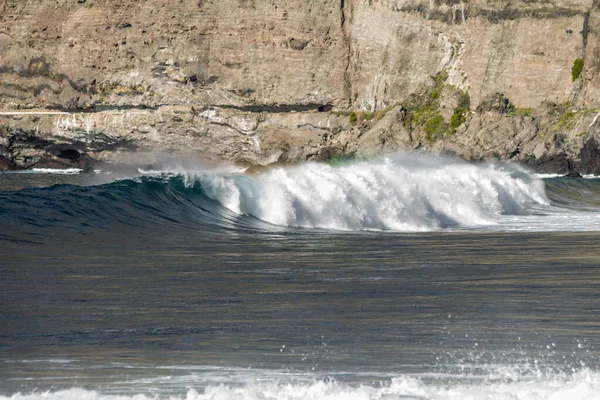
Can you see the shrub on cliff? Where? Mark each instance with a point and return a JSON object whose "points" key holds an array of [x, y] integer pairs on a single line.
{"points": [[577, 68], [435, 128], [353, 118], [457, 119]]}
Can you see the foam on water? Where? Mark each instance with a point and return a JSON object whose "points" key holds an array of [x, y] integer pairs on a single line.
{"points": [[552, 176], [583, 385], [401, 192], [53, 171]]}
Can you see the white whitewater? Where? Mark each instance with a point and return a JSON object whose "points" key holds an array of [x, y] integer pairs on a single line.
{"points": [[401, 193], [53, 171], [584, 385]]}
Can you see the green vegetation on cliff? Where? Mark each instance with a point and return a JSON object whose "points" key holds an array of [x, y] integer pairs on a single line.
{"points": [[355, 117], [457, 119], [577, 68], [435, 128], [424, 111], [460, 112], [521, 112], [569, 115]]}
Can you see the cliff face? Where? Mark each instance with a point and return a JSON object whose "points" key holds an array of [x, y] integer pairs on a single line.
{"points": [[258, 81]]}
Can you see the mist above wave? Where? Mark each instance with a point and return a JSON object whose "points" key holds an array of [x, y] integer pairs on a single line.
{"points": [[401, 192]]}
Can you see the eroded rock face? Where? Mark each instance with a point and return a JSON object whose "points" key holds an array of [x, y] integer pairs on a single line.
{"points": [[22, 150], [590, 157], [260, 81]]}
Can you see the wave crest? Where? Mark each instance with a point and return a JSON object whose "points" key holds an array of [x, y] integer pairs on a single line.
{"points": [[405, 193], [401, 193]]}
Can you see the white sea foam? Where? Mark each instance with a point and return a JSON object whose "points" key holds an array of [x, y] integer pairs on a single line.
{"points": [[548, 176], [584, 385], [56, 171], [551, 176], [401, 192]]}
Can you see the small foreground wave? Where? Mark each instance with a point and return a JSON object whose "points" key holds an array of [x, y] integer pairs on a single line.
{"points": [[583, 385]]}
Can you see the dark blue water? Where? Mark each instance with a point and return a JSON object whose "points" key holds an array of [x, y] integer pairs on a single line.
{"points": [[152, 287]]}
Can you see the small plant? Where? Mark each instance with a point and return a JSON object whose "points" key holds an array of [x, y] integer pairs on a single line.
{"points": [[456, 120], [521, 112], [440, 78], [460, 112], [577, 68], [464, 102], [366, 115], [353, 118], [566, 122]]}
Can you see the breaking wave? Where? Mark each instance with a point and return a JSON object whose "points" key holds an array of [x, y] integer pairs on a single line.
{"points": [[404, 193], [400, 193]]}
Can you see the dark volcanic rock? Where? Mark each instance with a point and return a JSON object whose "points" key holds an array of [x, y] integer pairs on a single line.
{"points": [[590, 157], [20, 139], [573, 174], [24, 150], [64, 155], [65, 151], [61, 163], [327, 153], [7, 163], [496, 102], [551, 162]]}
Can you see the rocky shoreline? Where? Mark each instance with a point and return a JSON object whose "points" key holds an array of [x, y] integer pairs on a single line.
{"points": [[541, 139], [253, 83]]}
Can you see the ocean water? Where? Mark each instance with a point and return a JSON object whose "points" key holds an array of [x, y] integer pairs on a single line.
{"points": [[404, 277]]}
